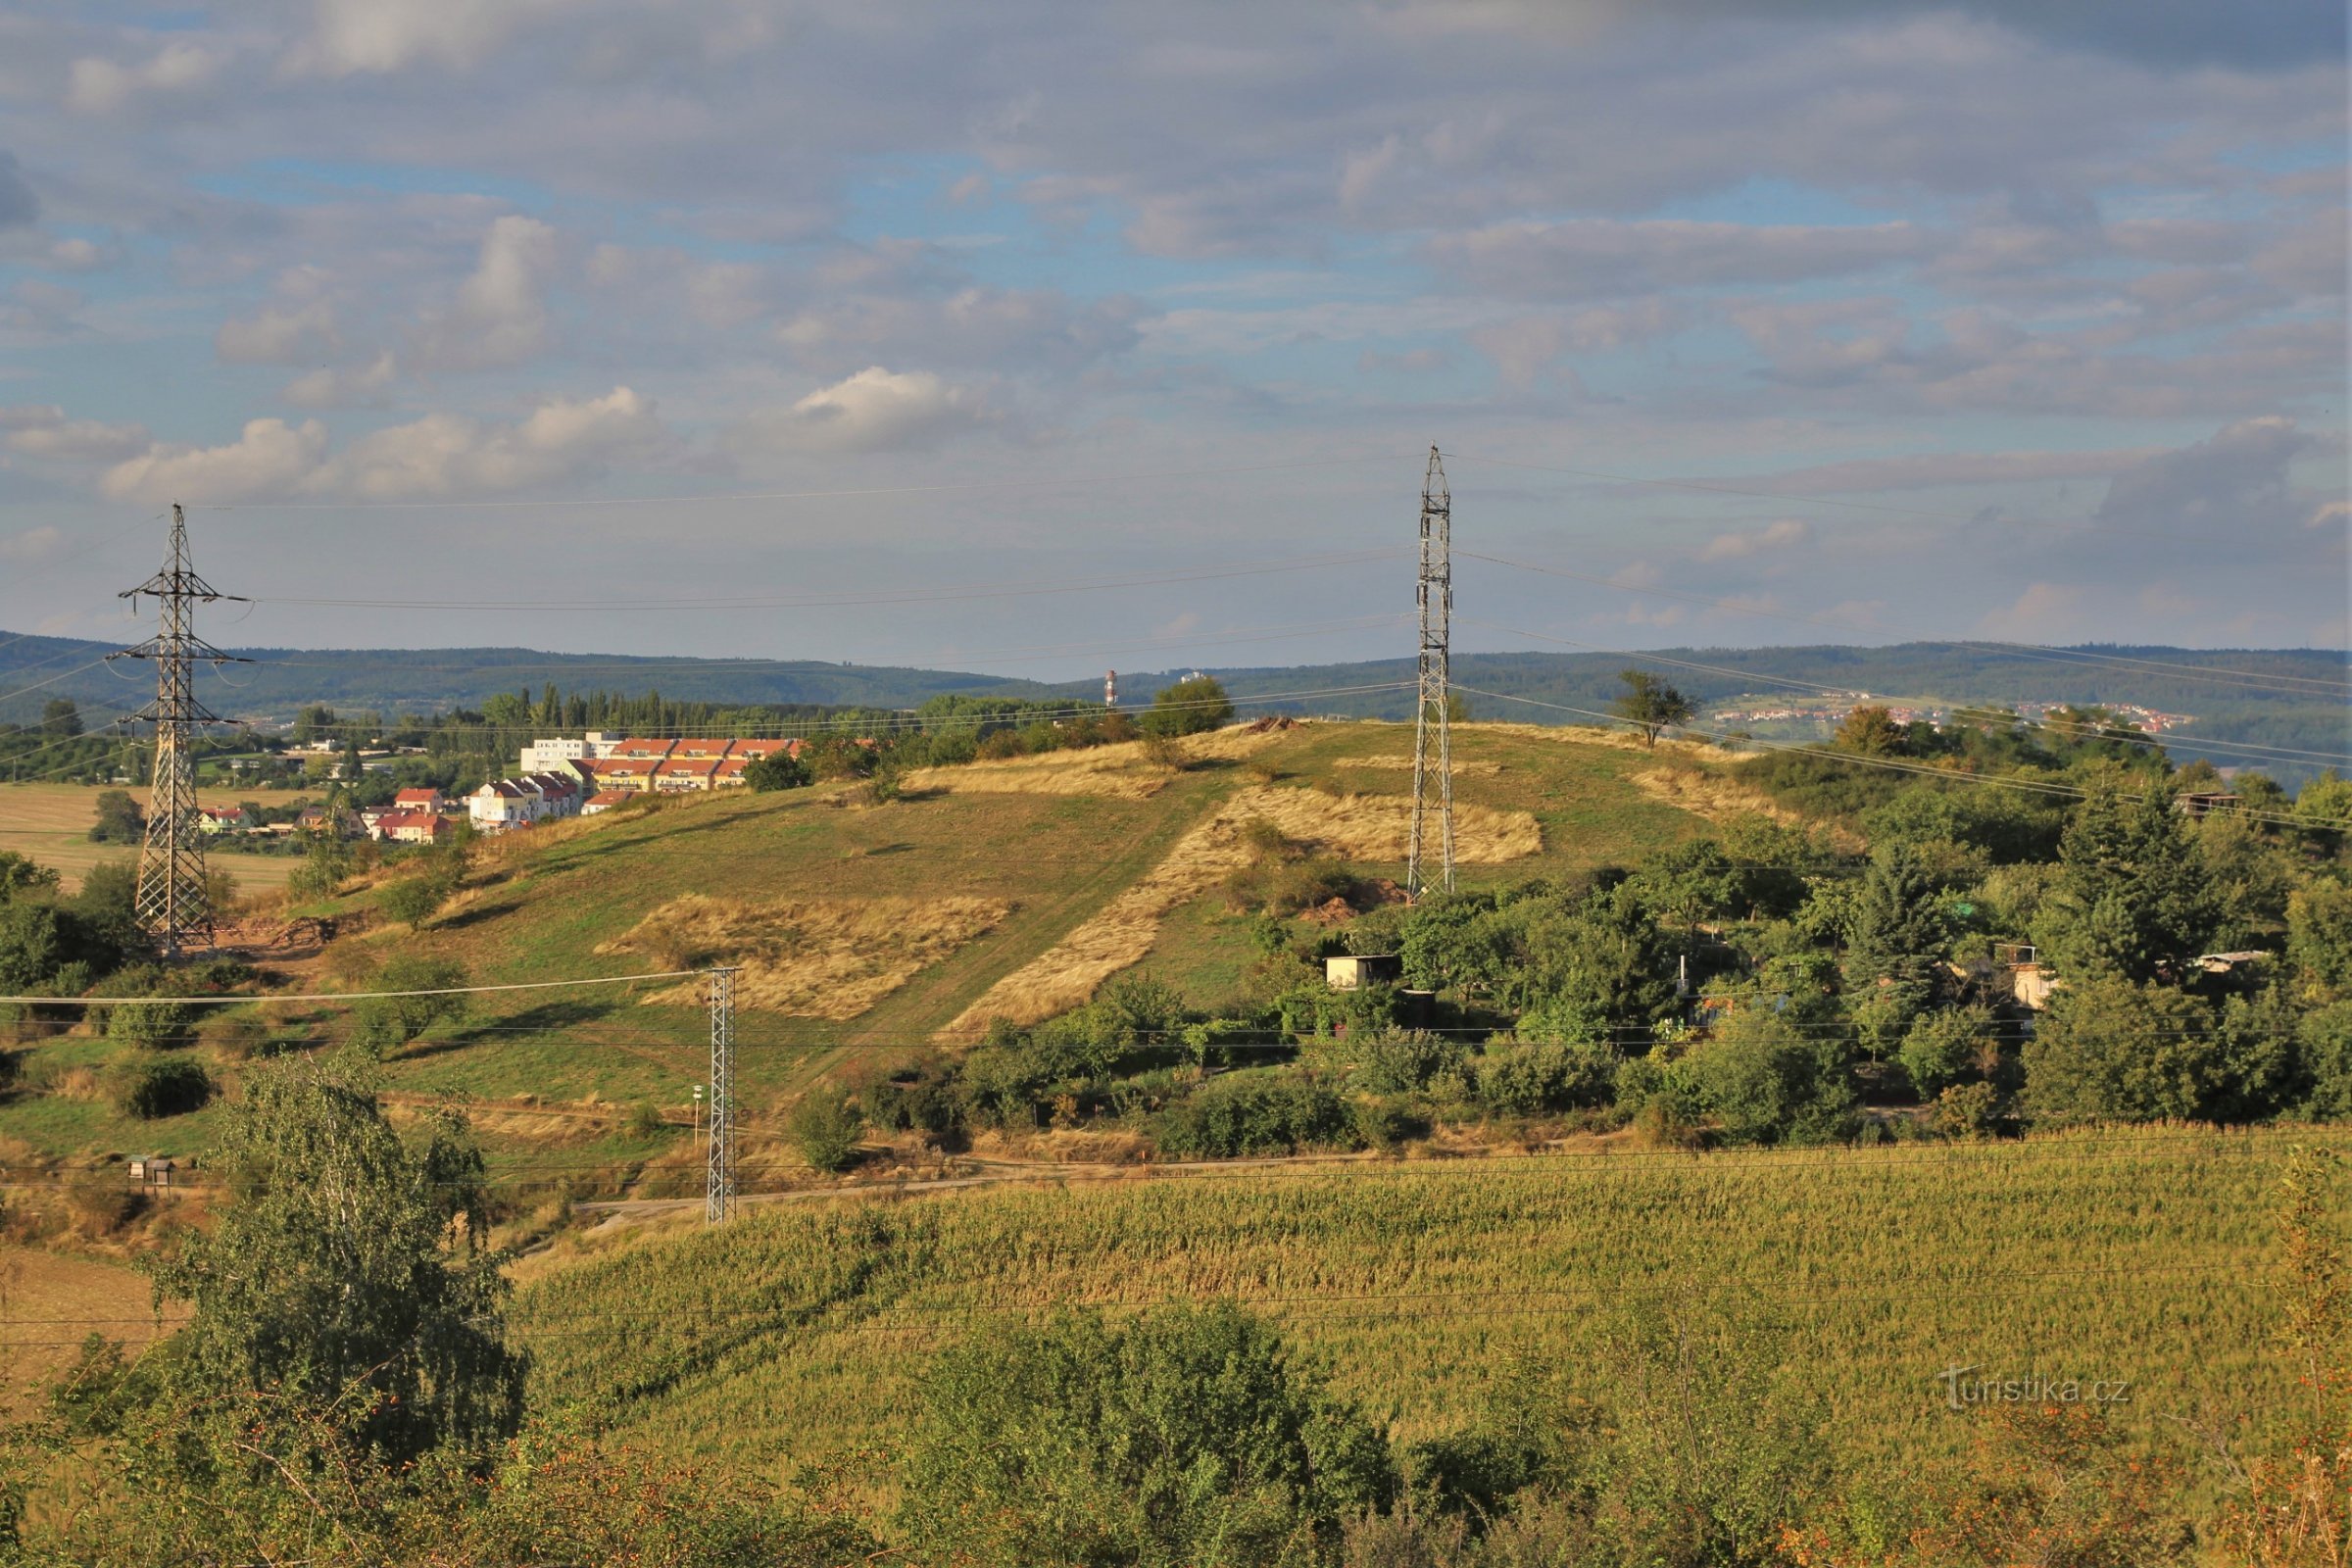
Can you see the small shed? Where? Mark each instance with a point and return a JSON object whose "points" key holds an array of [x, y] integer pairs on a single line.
{"points": [[1353, 971], [153, 1170]]}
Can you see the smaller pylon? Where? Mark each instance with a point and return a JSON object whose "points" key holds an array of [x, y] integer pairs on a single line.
{"points": [[718, 1187]]}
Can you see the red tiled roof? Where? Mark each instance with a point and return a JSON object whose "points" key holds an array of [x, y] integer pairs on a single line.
{"points": [[420, 797], [609, 796], [686, 767], [642, 748]]}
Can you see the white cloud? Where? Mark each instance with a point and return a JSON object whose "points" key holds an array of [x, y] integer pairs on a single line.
{"points": [[1587, 257], [349, 386], [374, 38], [99, 86], [278, 334], [1784, 534], [2044, 611], [268, 458], [42, 431], [874, 410], [499, 315], [442, 455]]}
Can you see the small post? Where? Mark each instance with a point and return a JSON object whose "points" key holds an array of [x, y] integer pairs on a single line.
{"points": [[718, 1190]]}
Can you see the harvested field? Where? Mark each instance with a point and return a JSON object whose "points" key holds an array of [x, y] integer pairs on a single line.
{"points": [[808, 957], [1357, 827], [1712, 796], [51, 824], [1120, 773], [48, 1302]]}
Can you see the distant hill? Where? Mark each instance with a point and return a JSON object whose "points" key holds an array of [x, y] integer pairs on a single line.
{"points": [[2271, 698]]}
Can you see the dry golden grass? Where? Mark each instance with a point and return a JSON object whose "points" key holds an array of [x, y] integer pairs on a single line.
{"points": [[1712, 796], [1405, 760], [1622, 740], [1123, 771], [48, 1302], [809, 958], [1357, 827], [51, 824]]}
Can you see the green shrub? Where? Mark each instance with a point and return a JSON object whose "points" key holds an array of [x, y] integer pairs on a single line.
{"points": [[1383, 1124], [152, 1025], [1398, 1062], [171, 1087], [1255, 1114], [824, 1128], [1943, 1047], [1530, 1078]]}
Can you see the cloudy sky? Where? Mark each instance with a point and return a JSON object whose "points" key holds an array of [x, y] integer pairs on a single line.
{"points": [[815, 329]]}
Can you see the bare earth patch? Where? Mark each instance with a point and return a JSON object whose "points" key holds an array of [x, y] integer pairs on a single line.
{"points": [[1357, 827], [809, 958]]}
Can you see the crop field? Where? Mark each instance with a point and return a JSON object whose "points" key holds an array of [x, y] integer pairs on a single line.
{"points": [[51, 824], [795, 1331]]}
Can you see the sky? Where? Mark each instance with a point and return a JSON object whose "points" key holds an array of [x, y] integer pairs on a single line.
{"points": [[1040, 338]]}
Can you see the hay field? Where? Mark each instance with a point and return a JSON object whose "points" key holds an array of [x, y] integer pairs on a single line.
{"points": [[1121, 771], [1401, 760], [1355, 827], [796, 1330], [51, 824], [49, 1302], [813, 958]]}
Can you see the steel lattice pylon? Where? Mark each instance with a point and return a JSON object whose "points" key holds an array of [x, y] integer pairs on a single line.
{"points": [[172, 905], [1437, 673], [718, 1190]]}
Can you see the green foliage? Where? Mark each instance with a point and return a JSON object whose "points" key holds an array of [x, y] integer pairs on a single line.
{"points": [[172, 1087], [1535, 1077], [2107, 1048], [413, 899], [152, 1025], [325, 866], [1650, 705], [1945, 1047], [824, 1128], [1395, 1062], [351, 1260], [2319, 937], [1765, 1079], [1254, 1113], [778, 771], [2131, 899], [120, 821], [19, 877], [1185, 1437], [382, 1025], [2324, 1038], [1188, 708]]}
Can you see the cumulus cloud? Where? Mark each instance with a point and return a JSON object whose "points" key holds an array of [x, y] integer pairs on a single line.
{"points": [[2045, 612], [2229, 487], [346, 386], [875, 409], [440, 456], [35, 544], [1740, 545], [970, 327], [42, 431], [498, 317]]}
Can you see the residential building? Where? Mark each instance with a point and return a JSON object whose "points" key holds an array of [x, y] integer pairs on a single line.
{"points": [[222, 820], [604, 801], [427, 798], [412, 828]]}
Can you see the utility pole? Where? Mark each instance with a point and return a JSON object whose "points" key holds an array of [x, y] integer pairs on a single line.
{"points": [[1437, 672], [172, 904], [718, 1190]]}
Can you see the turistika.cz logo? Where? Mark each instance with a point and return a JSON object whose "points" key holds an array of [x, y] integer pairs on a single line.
{"points": [[1961, 1392]]}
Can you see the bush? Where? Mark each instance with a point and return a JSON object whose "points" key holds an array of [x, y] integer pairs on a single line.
{"points": [[382, 1025], [1943, 1047], [778, 771], [1766, 1080], [238, 1036], [152, 1025], [413, 899], [824, 1128], [927, 1101], [171, 1087], [1399, 1064], [1383, 1124], [1242, 1115], [1188, 708], [645, 1120], [1532, 1078]]}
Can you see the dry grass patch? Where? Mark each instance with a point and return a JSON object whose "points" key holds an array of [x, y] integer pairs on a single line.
{"points": [[1712, 796], [1122, 771], [1357, 827], [1405, 760], [809, 958]]}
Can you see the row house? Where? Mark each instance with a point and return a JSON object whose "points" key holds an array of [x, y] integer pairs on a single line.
{"points": [[511, 803], [412, 828], [674, 768]]}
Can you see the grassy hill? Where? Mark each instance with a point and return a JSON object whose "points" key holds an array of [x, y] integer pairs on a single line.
{"points": [[1047, 845]]}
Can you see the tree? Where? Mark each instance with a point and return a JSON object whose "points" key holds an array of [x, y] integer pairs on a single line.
{"points": [[382, 1025], [2318, 939], [120, 821], [1650, 705], [2130, 898], [778, 771], [1187, 1435], [2109, 1050], [60, 718], [2322, 807], [824, 1127], [351, 1259], [19, 876], [1767, 1079], [1871, 732], [413, 899], [1188, 708]]}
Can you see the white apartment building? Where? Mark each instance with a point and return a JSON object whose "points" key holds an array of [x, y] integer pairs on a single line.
{"points": [[541, 756]]}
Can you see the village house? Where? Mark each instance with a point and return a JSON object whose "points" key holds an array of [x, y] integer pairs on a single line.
{"points": [[427, 799], [222, 820], [604, 801], [412, 828]]}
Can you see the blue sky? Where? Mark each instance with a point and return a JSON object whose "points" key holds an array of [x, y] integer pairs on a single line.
{"points": [[1996, 319]]}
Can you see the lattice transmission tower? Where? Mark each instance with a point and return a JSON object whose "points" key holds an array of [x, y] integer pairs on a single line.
{"points": [[718, 1187], [1437, 672], [172, 905]]}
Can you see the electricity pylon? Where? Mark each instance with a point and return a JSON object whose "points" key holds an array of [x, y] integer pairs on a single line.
{"points": [[718, 1187], [1436, 675], [172, 905]]}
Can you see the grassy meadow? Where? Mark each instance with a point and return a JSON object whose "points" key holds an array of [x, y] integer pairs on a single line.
{"points": [[795, 1331]]}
